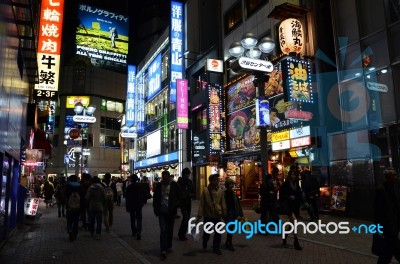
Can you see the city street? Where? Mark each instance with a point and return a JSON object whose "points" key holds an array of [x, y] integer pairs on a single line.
{"points": [[45, 240]]}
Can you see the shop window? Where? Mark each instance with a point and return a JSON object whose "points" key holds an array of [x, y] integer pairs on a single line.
{"points": [[253, 6], [392, 8], [233, 17]]}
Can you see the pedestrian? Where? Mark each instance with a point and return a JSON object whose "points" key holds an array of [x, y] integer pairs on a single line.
{"points": [[48, 191], [118, 185], [186, 186], [86, 182], [291, 199], [113, 186], [167, 198], [146, 186], [109, 208], [387, 214], [213, 208], [96, 202], [233, 209], [74, 197], [312, 193], [268, 203], [135, 197], [61, 197]]}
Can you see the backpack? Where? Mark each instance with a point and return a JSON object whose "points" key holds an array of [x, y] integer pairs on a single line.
{"points": [[109, 193], [74, 201]]}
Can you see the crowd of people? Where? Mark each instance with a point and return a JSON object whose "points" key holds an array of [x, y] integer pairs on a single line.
{"points": [[92, 201]]}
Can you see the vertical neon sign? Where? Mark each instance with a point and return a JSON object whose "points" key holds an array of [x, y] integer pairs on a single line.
{"points": [[182, 112], [176, 46], [130, 96]]}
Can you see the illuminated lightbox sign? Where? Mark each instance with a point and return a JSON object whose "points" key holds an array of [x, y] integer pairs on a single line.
{"points": [[84, 119], [250, 64], [280, 136], [280, 145], [299, 142], [182, 107], [298, 85], [262, 113], [103, 37], [176, 46], [214, 65], [154, 73], [49, 44], [300, 132], [214, 116], [154, 144], [130, 96]]}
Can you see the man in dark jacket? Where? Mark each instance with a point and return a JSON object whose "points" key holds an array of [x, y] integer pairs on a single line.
{"points": [[387, 214], [73, 213], [312, 194], [167, 198], [135, 197], [186, 186]]}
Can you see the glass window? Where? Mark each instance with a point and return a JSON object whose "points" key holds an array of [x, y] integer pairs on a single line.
{"points": [[350, 63], [374, 9], [392, 8], [375, 52], [233, 17], [253, 5], [346, 20]]}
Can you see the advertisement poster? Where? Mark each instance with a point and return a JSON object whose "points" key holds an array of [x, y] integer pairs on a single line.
{"points": [[338, 200], [241, 94], [103, 37], [278, 107], [325, 198], [242, 129]]}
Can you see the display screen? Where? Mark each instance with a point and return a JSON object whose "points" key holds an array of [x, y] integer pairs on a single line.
{"points": [[103, 36]]}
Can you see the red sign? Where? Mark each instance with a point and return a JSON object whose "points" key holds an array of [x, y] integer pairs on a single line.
{"points": [[74, 133], [299, 142]]}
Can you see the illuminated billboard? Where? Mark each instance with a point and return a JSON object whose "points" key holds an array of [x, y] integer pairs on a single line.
{"points": [[103, 36], [49, 44]]}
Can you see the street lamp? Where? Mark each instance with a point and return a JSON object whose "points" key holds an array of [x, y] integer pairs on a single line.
{"points": [[248, 51], [82, 115]]}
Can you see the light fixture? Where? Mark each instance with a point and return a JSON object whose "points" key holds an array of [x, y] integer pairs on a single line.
{"points": [[291, 36], [254, 53], [249, 40], [249, 48], [78, 108], [90, 109], [236, 49], [266, 45]]}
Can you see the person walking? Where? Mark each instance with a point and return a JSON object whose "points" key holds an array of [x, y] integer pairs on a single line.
{"points": [[146, 186], [135, 197], [167, 198], [118, 186], [96, 202], [312, 193], [74, 197], [387, 214], [291, 198], [186, 186], [213, 208], [109, 207], [233, 209], [61, 197], [86, 182], [48, 191]]}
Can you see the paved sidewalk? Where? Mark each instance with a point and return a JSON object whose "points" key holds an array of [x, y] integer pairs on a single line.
{"points": [[46, 241]]}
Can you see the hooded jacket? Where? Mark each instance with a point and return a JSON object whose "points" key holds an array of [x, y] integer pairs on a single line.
{"points": [[96, 197]]}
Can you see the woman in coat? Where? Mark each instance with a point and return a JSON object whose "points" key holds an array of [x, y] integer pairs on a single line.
{"points": [[290, 199]]}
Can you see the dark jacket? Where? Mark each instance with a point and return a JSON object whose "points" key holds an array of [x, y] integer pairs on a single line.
{"points": [[291, 206], [96, 198], [176, 198], [267, 193], [72, 187], [387, 208], [186, 186], [237, 207], [135, 196]]}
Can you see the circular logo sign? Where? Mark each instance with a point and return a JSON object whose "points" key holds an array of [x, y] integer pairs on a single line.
{"points": [[74, 133]]}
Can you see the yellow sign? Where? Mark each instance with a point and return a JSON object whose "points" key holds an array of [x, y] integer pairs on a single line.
{"points": [[72, 100], [280, 136]]}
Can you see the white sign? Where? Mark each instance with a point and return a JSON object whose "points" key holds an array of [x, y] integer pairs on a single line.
{"points": [[299, 142], [214, 65], [154, 144], [129, 135], [281, 145], [255, 64], [300, 132], [380, 87], [31, 206], [84, 119]]}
